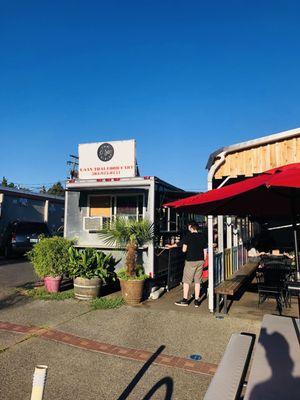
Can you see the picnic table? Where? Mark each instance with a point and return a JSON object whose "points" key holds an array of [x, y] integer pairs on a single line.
{"points": [[275, 371]]}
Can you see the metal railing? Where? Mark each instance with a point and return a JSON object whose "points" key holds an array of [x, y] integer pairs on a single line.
{"points": [[228, 262]]}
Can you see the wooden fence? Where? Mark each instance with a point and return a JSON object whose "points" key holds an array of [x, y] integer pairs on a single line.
{"points": [[228, 262]]}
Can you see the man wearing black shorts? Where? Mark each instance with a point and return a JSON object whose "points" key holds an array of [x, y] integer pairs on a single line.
{"points": [[194, 245]]}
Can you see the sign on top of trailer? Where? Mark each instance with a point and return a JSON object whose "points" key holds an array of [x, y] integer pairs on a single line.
{"points": [[115, 159]]}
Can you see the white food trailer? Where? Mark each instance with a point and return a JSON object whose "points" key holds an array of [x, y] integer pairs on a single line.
{"points": [[108, 185]]}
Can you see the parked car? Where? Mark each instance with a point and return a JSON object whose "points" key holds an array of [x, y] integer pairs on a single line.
{"points": [[20, 236]]}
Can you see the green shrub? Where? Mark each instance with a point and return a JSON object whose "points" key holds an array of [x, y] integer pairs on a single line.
{"points": [[139, 274], [50, 256], [91, 263]]}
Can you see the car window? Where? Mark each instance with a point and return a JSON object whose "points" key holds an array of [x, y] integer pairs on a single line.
{"points": [[32, 228]]}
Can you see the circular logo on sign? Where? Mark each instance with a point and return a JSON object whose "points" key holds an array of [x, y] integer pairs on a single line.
{"points": [[105, 152]]}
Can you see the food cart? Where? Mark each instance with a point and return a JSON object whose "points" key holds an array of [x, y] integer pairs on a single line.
{"points": [[108, 185]]}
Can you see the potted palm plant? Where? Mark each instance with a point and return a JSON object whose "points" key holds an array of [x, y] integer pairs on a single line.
{"points": [[89, 268], [50, 259], [129, 235]]}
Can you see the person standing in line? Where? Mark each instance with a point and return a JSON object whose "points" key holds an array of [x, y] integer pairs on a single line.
{"points": [[194, 245]]}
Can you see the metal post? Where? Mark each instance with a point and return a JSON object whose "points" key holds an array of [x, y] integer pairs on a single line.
{"points": [[296, 249], [295, 235], [66, 212], [151, 216], [210, 265], [210, 176], [296, 246]]}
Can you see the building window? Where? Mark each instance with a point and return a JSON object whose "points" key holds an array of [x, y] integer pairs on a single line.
{"points": [[100, 206], [130, 207]]}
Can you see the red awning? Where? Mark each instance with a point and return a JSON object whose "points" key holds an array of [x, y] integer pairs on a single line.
{"points": [[268, 193]]}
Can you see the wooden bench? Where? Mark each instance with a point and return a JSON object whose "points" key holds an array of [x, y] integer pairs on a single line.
{"points": [[227, 383], [231, 285]]}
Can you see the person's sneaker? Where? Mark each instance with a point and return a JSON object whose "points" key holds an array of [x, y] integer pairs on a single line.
{"points": [[183, 303], [197, 302]]}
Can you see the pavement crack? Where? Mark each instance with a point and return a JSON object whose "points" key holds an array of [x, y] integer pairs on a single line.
{"points": [[70, 319], [17, 343]]}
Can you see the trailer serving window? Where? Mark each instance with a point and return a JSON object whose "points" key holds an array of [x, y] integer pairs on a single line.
{"points": [[127, 206], [100, 206], [130, 207]]}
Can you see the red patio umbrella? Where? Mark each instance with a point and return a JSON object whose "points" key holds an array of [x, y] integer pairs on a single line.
{"points": [[274, 193], [267, 194]]}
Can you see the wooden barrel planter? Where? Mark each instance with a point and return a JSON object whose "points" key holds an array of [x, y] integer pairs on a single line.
{"points": [[87, 289], [132, 291]]}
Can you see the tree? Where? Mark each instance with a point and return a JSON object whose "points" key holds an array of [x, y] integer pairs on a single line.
{"points": [[56, 189], [43, 189], [129, 234], [6, 184]]}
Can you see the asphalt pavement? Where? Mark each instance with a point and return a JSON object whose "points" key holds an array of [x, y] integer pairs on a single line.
{"points": [[14, 273]]}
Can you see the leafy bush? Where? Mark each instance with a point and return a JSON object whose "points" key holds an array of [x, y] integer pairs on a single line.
{"points": [[139, 274], [91, 263], [50, 256]]}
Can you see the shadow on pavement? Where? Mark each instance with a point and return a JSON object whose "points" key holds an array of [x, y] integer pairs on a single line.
{"points": [[13, 299], [17, 298], [282, 381], [110, 288], [167, 381]]}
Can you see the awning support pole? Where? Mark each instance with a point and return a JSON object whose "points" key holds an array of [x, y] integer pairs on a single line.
{"points": [[210, 177], [210, 264], [295, 235], [296, 247]]}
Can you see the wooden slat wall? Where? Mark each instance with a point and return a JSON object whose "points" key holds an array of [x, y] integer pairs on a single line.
{"points": [[261, 158]]}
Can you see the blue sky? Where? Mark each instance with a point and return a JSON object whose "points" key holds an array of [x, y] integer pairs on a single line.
{"points": [[181, 77]]}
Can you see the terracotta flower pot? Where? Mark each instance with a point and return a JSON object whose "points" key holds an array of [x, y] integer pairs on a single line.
{"points": [[52, 283], [87, 289], [132, 291]]}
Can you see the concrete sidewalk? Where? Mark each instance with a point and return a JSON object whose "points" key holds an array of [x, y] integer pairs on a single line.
{"points": [[182, 333], [79, 374], [85, 374], [97, 376]]}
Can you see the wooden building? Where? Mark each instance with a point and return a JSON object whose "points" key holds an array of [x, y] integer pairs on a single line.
{"points": [[255, 156], [233, 163]]}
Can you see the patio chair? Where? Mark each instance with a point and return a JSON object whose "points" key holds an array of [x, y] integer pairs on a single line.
{"points": [[272, 281], [272, 259]]}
